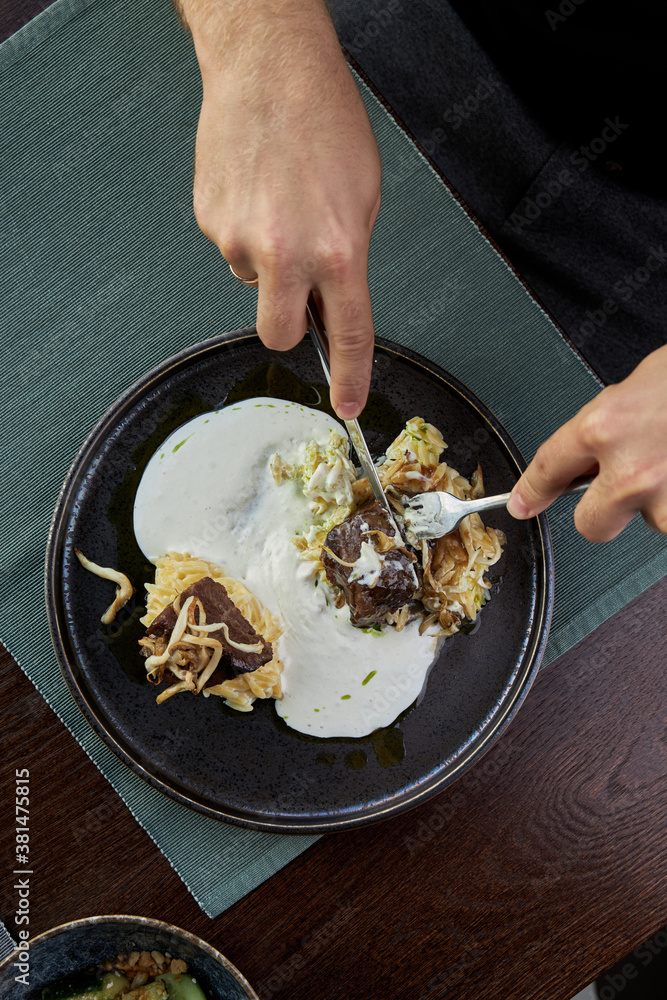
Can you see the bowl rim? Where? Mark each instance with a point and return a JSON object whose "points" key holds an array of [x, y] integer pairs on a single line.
{"points": [[148, 922]]}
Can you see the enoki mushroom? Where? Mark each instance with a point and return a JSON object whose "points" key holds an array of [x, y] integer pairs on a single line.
{"points": [[124, 589], [186, 634]]}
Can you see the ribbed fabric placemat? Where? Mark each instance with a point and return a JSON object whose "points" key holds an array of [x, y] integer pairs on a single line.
{"points": [[104, 273], [7, 942]]}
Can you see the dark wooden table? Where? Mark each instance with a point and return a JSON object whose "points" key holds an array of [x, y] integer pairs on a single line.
{"points": [[539, 869], [536, 871]]}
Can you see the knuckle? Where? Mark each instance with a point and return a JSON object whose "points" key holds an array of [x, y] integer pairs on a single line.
{"points": [[273, 251], [629, 482], [599, 421], [354, 342], [658, 520], [231, 246], [204, 196], [204, 221], [339, 259], [539, 483], [594, 430], [590, 523], [278, 330], [641, 482]]}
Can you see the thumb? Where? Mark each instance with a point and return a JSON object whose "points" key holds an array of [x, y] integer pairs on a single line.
{"points": [[559, 461]]}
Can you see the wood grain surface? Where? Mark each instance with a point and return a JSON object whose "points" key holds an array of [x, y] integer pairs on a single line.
{"points": [[536, 871], [540, 868]]}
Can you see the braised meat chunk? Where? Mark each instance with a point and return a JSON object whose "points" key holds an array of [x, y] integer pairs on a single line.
{"points": [[217, 608], [374, 570]]}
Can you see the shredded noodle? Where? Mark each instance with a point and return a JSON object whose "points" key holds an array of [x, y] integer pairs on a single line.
{"points": [[174, 573], [454, 567], [124, 588]]}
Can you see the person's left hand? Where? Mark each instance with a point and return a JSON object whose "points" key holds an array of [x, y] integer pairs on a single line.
{"points": [[621, 434]]}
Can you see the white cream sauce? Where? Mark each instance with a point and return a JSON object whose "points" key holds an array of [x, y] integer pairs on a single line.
{"points": [[208, 490], [368, 566]]}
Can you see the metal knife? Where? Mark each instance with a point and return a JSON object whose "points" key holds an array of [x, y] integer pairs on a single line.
{"points": [[321, 341]]}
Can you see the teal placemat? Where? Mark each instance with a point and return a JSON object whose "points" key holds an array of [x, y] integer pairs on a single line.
{"points": [[103, 273]]}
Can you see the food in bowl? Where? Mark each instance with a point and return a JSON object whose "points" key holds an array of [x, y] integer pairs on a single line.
{"points": [[140, 975]]}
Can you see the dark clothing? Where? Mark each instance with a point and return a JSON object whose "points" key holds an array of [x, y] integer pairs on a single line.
{"points": [[503, 112], [575, 63]]}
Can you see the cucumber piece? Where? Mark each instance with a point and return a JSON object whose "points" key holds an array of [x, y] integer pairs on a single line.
{"points": [[181, 986], [113, 985], [107, 988], [67, 992]]}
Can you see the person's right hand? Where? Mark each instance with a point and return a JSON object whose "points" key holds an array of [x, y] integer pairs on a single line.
{"points": [[287, 174], [622, 435]]}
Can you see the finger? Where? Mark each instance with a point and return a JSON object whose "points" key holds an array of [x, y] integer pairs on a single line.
{"points": [[349, 321], [562, 458], [614, 498], [281, 311], [656, 518], [598, 517], [248, 279], [233, 249]]}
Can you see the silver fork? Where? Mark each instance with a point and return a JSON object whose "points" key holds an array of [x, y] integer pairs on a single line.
{"points": [[431, 515]]}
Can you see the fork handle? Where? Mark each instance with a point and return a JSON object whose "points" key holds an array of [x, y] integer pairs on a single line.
{"points": [[578, 485], [500, 500]]}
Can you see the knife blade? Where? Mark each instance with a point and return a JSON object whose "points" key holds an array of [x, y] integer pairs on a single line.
{"points": [[319, 337]]}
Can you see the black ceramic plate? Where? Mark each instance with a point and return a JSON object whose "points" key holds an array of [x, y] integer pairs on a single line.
{"points": [[250, 769]]}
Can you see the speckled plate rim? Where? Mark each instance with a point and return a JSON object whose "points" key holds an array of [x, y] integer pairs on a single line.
{"points": [[149, 924], [492, 728]]}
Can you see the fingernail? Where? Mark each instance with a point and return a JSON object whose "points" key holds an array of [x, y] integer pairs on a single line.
{"points": [[348, 411], [517, 507]]}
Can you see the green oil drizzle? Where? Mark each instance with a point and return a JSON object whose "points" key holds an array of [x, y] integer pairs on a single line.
{"points": [[181, 443], [356, 759], [387, 743]]}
